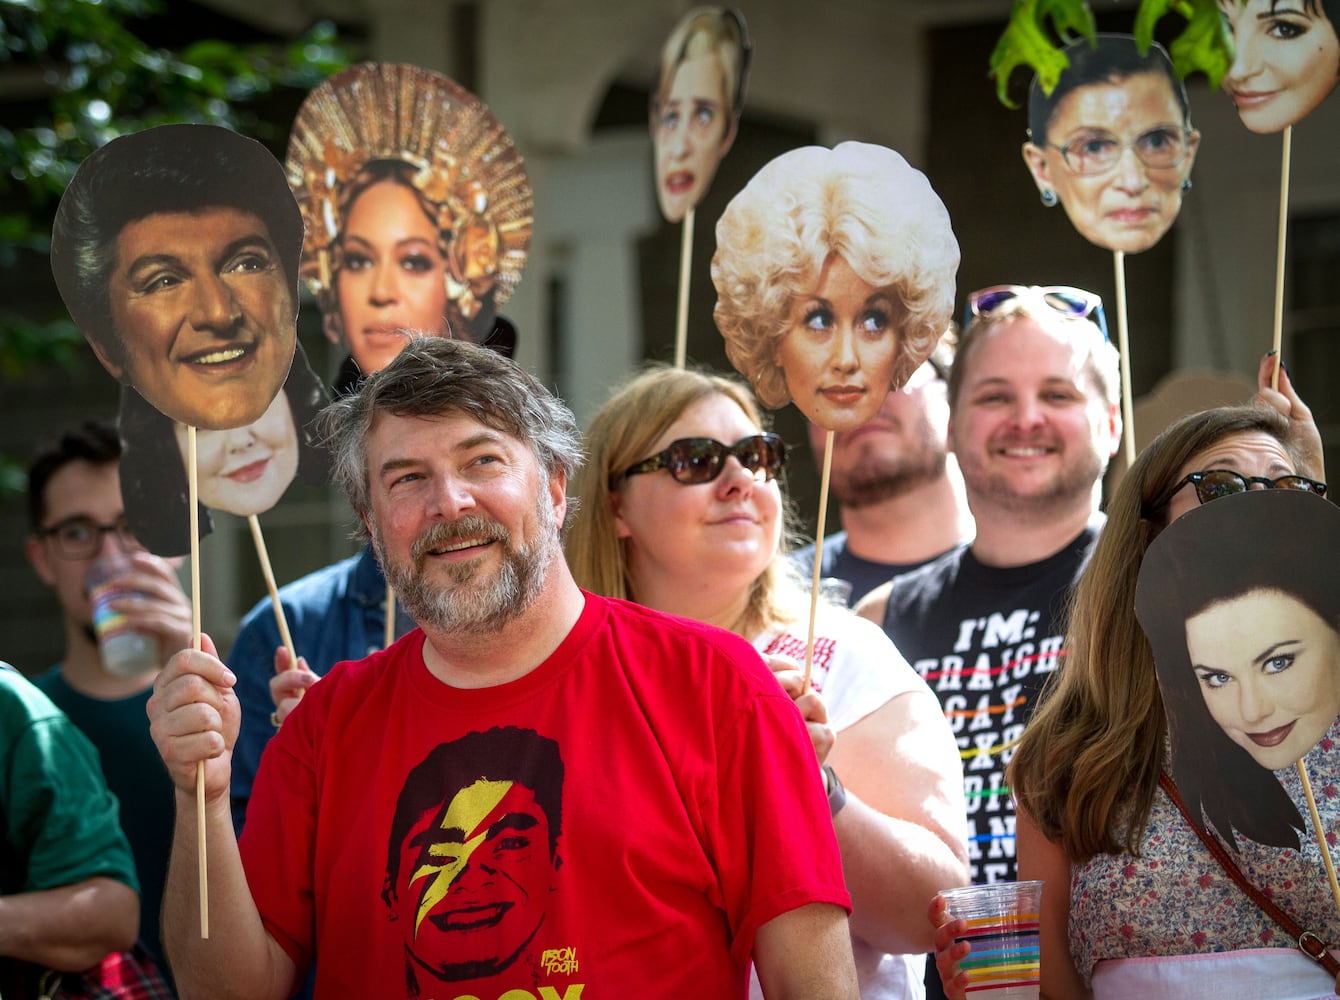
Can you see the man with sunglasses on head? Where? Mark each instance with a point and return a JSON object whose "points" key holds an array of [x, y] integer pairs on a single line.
{"points": [[900, 491], [77, 518], [682, 831], [1033, 420]]}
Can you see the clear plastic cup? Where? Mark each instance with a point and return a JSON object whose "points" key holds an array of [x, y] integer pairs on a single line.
{"points": [[125, 651], [1002, 929]]}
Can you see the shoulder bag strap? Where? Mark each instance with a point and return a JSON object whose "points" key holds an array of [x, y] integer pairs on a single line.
{"points": [[1309, 942]]}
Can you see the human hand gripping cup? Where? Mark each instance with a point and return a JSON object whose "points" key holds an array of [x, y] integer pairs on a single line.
{"points": [[987, 940]]}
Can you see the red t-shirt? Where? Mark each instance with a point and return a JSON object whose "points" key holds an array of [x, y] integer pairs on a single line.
{"points": [[618, 822]]}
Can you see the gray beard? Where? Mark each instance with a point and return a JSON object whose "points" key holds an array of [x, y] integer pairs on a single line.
{"points": [[473, 606]]}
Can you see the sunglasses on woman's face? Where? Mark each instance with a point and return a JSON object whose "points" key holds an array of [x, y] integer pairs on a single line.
{"points": [[1074, 303], [700, 460], [1216, 483]]}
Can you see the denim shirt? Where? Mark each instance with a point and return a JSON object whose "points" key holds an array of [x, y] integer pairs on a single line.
{"points": [[337, 613]]}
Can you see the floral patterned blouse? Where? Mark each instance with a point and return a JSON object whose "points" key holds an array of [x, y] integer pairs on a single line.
{"points": [[1176, 900]]}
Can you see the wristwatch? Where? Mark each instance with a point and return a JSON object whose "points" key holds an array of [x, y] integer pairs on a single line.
{"points": [[837, 795]]}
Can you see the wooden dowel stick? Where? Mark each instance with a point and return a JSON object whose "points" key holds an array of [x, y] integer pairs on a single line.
{"points": [[1279, 253], [264, 556], [1319, 833], [682, 306], [818, 553], [388, 634], [193, 505], [1124, 349]]}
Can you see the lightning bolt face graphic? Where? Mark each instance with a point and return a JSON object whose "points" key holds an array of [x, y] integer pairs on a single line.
{"points": [[472, 810]]}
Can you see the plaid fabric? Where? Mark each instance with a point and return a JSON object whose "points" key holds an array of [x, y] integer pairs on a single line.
{"points": [[127, 975]]}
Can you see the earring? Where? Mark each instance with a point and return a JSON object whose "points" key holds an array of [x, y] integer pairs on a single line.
{"points": [[1049, 198], [1186, 185]]}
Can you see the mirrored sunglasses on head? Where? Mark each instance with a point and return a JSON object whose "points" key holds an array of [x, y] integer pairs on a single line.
{"points": [[700, 460], [1073, 303]]}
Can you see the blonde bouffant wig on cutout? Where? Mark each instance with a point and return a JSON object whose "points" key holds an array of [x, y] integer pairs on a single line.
{"points": [[862, 202]]}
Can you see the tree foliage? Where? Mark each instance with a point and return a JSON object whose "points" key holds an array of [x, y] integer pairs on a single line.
{"points": [[96, 79], [1038, 30], [80, 75]]}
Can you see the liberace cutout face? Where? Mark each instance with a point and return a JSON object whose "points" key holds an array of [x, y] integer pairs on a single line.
{"points": [[176, 251]]}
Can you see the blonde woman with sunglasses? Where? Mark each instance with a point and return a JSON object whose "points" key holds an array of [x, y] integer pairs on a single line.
{"points": [[681, 511], [1135, 905]]}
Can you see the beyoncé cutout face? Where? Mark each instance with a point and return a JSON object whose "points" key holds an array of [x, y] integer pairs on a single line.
{"points": [[417, 205], [1240, 600]]}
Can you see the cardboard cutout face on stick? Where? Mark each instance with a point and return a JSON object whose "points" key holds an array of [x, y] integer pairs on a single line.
{"points": [[1113, 143], [837, 301], [417, 206], [1240, 599], [1286, 59], [696, 104], [176, 251], [240, 470]]}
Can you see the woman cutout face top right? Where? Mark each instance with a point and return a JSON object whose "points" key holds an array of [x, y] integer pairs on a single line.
{"points": [[1286, 59]]}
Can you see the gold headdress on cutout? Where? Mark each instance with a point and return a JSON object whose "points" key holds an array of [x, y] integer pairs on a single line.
{"points": [[458, 158]]}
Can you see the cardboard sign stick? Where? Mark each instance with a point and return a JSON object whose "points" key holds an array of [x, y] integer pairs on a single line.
{"points": [[682, 308], [193, 504], [818, 553], [1316, 819], [1124, 349], [268, 573], [388, 635], [1279, 257]]}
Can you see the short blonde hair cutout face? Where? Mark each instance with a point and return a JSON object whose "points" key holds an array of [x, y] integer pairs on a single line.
{"points": [[706, 31], [862, 202], [623, 433]]}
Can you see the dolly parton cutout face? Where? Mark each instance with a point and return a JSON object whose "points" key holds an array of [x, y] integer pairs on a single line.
{"points": [[838, 352]]}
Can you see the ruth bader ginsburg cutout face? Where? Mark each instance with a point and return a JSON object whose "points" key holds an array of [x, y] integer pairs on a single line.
{"points": [[1241, 602], [833, 329], [1286, 59], [176, 251], [696, 105], [1113, 143]]}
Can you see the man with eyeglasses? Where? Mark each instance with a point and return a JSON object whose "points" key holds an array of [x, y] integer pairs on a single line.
{"points": [[1033, 419], [76, 515], [900, 492], [657, 867]]}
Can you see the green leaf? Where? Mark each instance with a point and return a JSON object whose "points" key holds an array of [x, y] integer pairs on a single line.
{"points": [[1203, 46], [1027, 41]]}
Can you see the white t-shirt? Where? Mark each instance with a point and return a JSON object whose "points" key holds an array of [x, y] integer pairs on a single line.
{"points": [[857, 670]]}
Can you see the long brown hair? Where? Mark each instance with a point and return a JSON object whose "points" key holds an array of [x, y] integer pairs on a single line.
{"points": [[1087, 766]]}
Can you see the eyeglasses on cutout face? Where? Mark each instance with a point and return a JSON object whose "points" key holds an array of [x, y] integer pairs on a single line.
{"points": [[81, 537], [700, 459], [1072, 303], [1096, 152], [1215, 483]]}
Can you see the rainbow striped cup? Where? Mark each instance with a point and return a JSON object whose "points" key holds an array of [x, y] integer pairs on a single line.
{"points": [[1002, 921]]}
